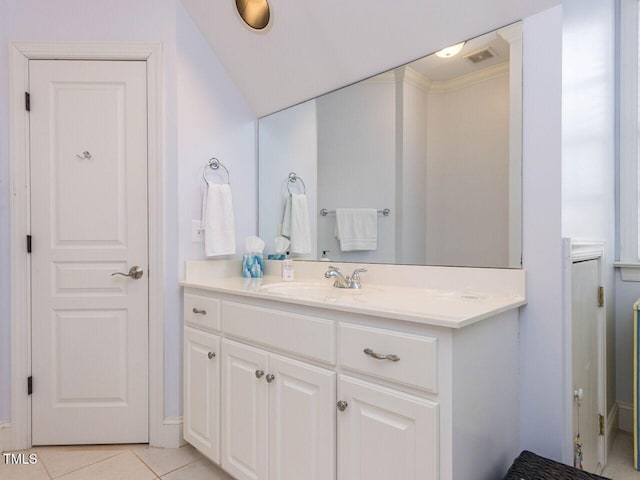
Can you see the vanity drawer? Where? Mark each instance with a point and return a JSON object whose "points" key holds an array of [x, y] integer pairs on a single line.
{"points": [[202, 311], [418, 355], [307, 336]]}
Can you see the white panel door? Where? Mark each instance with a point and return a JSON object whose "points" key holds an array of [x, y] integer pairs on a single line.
{"points": [[585, 341], [202, 392], [88, 143], [302, 418], [385, 434], [244, 411]]}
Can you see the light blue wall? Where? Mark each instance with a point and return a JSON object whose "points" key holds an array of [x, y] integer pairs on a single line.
{"points": [[541, 332], [214, 119]]}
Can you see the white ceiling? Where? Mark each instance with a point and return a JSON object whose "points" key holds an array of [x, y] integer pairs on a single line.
{"points": [[312, 47], [441, 69]]}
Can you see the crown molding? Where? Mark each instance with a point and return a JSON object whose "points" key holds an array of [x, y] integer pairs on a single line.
{"points": [[416, 79], [469, 79]]}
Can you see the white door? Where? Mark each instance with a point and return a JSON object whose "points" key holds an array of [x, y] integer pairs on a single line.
{"points": [[585, 338], [202, 392], [244, 411], [385, 434], [302, 419], [88, 143]]}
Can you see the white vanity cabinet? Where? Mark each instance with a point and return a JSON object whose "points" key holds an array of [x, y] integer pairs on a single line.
{"points": [[384, 433], [315, 393], [201, 420], [278, 416]]}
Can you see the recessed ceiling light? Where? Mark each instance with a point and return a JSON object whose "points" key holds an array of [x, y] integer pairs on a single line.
{"points": [[450, 51], [255, 13]]}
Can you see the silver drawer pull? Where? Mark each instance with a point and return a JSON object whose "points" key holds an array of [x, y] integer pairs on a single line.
{"points": [[259, 373], [211, 355], [378, 356], [270, 377], [342, 405], [199, 312]]}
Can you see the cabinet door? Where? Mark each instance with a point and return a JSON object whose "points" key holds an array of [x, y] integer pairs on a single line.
{"points": [[244, 411], [202, 392], [301, 421], [385, 434]]}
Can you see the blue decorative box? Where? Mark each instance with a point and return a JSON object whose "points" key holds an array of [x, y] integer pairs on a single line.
{"points": [[252, 266], [276, 256]]}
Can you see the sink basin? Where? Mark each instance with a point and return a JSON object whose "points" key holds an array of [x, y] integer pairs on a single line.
{"points": [[324, 292], [445, 304]]}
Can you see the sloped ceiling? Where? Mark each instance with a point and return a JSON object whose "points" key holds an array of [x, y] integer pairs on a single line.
{"points": [[312, 47]]}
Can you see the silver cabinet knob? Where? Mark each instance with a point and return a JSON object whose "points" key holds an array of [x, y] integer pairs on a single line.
{"points": [[135, 272], [259, 373], [198, 311], [342, 405], [211, 355], [270, 378]]}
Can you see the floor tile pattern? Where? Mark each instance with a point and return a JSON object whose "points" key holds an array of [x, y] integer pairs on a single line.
{"points": [[110, 462], [141, 462]]}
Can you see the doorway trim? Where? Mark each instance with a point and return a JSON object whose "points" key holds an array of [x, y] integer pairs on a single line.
{"points": [[19, 56], [580, 251]]}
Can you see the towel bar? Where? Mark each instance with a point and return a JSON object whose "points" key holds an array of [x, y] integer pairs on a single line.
{"points": [[324, 212]]}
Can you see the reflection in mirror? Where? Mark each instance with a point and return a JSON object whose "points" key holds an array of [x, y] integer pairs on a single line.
{"points": [[436, 142]]}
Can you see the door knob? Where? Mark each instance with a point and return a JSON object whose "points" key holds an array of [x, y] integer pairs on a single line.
{"points": [[342, 405], [270, 377], [259, 373], [211, 355], [135, 272]]}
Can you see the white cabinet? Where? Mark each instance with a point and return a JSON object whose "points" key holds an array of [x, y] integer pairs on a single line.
{"points": [[244, 411], [302, 419], [202, 391], [276, 411], [419, 398], [383, 433]]}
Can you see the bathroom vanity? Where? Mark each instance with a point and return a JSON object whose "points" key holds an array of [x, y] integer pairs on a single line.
{"points": [[301, 380]]}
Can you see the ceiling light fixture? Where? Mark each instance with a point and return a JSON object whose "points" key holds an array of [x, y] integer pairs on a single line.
{"points": [[450, 51], [255, 13]]}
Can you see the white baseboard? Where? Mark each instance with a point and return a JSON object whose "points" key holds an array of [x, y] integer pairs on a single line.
{"points": [[625, 417], [172, 433], [612, 427], [5, 436]]}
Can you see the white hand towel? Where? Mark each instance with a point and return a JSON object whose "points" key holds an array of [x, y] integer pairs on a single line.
{"points": [[357, 228], [217, 221], [295, 223]]}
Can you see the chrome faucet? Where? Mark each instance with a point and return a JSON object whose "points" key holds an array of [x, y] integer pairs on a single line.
{"points": [[345, 282]]}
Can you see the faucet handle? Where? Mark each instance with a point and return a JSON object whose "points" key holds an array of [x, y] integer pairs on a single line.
{"points": [[356, 273]]}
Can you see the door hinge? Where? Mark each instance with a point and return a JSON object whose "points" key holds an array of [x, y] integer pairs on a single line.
{"points": [[601, 424], [28, 243], [29, 385], [601, 296], [27, 101]]}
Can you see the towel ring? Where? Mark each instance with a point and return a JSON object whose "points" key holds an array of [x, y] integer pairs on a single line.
{"points": [[293, 178], [215, 164]]}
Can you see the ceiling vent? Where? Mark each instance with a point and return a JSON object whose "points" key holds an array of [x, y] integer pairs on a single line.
{"points": [[480, 55]]}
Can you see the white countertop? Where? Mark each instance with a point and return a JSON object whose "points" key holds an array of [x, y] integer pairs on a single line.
{"points": [[433, 306]]}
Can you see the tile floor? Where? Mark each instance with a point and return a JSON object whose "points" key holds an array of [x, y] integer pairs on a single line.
{"points": [[620, 462], [113, 462], [140, 462]]}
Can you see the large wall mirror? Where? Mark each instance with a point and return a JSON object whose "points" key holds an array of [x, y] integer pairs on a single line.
{"points": [[433, 147]]}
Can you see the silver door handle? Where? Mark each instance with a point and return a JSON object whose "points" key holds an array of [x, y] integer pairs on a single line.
{"points": [[259, 373], [135, 272], [342, 405], [379, 356], [270, 377]]}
